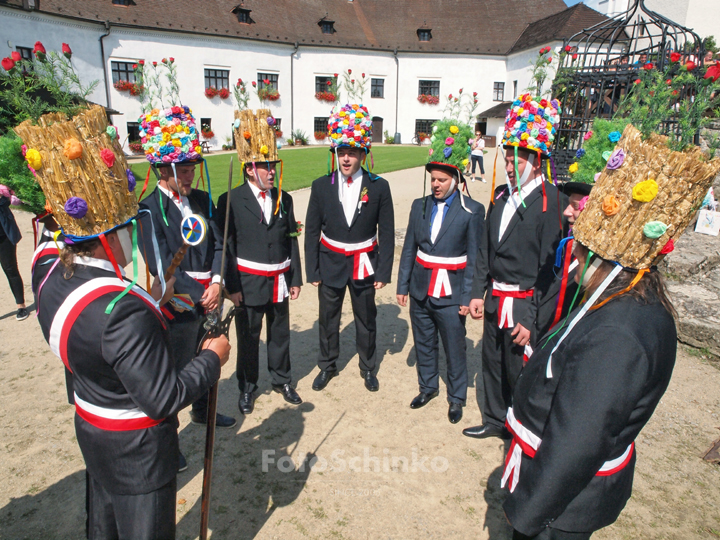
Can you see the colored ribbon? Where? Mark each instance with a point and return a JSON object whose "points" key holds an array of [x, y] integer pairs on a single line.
{"points": [[111, 305]]}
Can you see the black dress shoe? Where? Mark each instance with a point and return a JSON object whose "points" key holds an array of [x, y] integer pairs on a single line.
{"points": [[246, 403], [322, 380], [288, 392], [182, 462], [422, 399], [221, 420], [455, 413], [371, 382], [487, 430]]}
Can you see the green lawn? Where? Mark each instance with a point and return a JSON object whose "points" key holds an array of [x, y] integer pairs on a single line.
{"points": [[301, 166]]}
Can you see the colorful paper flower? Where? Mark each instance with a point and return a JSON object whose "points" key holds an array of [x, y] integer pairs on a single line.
{"points": [[654, 229], [72, 149], [76, 207], [108, 157], [580, 153], [645, 191], [131, 180], [264, 149], [573, 168], [614, 160], [606, 155], [450, 140], [614, 136], [447, 152], [610, 205], [588, 135], [34, 159], [454, 129], [668, 247]]}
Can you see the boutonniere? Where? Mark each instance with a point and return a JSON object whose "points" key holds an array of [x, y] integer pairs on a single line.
{"points": [[363, 198], [298, 230]]}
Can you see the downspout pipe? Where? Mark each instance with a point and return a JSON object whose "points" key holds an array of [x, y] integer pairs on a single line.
{"points": [[292, 89], [397, 87], [104, 64]]}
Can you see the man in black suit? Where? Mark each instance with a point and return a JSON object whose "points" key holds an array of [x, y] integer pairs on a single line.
{"points": [[514, 272], [262, 237], [436, 271], [349, 243], [197, 285]]}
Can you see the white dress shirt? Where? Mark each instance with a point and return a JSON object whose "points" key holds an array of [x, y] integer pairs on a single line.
{"points": [[350, 194], [181, 201], [514, 203], [265, 204]]}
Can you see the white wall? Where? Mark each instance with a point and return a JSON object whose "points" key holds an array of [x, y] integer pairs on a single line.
{"points": [[608, 7]]}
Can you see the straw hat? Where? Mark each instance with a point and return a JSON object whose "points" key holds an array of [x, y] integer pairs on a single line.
{"points": [[255, 136]]}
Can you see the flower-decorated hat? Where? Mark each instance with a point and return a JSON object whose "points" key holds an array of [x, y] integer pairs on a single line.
{"points": [[643, 200], [450, 147], [350, 125], [170, 136], [531, 123], [255, 137], [82, 171]]}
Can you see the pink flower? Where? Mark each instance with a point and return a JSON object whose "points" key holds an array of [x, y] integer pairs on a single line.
{"points": [[450, 141], [588, 135]]}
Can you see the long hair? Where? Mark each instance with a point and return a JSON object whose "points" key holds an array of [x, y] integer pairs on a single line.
{"points": [[651, 286], [70, 251]]}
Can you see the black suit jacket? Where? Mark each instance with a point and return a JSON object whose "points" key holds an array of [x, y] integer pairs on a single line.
{"points": [[325, 214], [459, 235], [204, 257], [251, 238], [526, 253], [608, 376]]}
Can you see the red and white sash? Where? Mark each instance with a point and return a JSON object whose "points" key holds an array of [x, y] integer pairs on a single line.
{"points": [[507, 294], [203, 278], [46, 248], [440, 280], [113, 419], [361, 263], [280, 289], [526, 442]]}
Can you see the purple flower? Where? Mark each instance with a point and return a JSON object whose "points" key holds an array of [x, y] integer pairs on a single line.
{"points": [[270, 121], [76, 207], [131, 180], [15, 201], [580, 153], [616, 159]]}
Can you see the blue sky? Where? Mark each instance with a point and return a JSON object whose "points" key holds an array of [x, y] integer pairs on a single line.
{"points": [[572, 2]]}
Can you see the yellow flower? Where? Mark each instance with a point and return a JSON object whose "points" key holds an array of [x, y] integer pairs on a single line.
{"points": [[166, 137], [573, 168], [179, 129], [359, 114], [187, 130], [34, 159], [352, 142], [645, 191], [454, 129], [524, 137], [198, 149], [341, 114], [465, 162], [264, 149], [176, 142]]}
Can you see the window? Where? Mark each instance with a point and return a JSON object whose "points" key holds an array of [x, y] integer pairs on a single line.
{"points": [[498, 91], [271, 77], [514, 89], [206, 124], [217, 78], [122, 71], [377, 88], [133, 131], [278, 123], [123, 2], [327, 27], [424, 126], [424, 34], [321, 83], [429, 88], [243, 15], [320, 124], [25, 52]]}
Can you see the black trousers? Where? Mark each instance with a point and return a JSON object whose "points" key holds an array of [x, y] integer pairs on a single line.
{"points": [[365, 314], [553, 534], [149, 516], [248, 325], [184, 339], [427, 320], [477, 160], [502, 362], [8, 261]]}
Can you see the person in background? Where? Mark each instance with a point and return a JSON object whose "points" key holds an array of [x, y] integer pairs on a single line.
{"points": [[476, 155], [9, 238]]}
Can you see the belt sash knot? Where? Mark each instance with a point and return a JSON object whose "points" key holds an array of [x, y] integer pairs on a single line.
{"points": [[526, 442], [507, 294], [440, 279], [277, 271], [203, 278], [362, 267]]}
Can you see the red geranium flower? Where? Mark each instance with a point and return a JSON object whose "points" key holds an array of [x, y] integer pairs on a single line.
{"points": [[550, 60], [675, 57], [266, 81], [474, 94], [66, 50], [141, 62], [328, 83], [574, 56], [637, 81], [568, 48], [713, 72], [460, 92], [155, 64], [8, 64], [254, 83], [648, 66], [39, 51], [363, 75], [690, 66], [134, 66], [352, 81], [15, 56], [669, 81], [164, 60], [349, 71], [172, 59], [335, 74], [239, 82]]}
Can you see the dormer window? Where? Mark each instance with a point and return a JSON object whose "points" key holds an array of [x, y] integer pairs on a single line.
{"points": [[123, 2], [327, 26], [242, 14], [424, 34]]}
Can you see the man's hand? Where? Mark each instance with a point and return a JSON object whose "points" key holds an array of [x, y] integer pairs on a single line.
{"points": [[294, 293], [379, 285], [156, 290], [464, 310], [402, 299], [521, 334], [315, 283], [477, 307], [236, 298], [209, 299], [220, 346]]}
